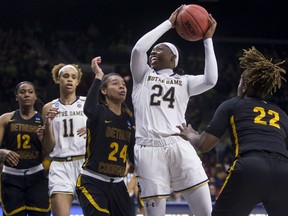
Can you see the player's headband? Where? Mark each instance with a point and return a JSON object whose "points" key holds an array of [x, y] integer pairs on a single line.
{"points": [[67, 67], [174, 51]]}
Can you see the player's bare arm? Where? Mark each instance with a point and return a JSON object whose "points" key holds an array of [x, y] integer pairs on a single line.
{"points": [[204, 141], [12, 158], [48, 114]]}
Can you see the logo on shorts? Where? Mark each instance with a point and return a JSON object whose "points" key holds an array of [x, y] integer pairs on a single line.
{"points": [[150, 205]]}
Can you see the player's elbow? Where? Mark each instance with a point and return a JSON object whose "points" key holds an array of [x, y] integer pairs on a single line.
{"points": [[211, 82], [137, 50], [210, 85], [207, 142], [204, 148], [211, 76]]}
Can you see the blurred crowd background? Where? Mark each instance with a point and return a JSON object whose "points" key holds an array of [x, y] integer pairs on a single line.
{"points": [[36, 35]]}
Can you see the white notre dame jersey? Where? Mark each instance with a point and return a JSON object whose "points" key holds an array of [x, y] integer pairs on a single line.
{"points": [[65, 126], [160, 102]]}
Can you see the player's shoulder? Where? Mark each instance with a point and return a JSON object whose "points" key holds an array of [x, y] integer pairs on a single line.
{"points": [[235, 99], [5, 117], [232, 100], [230, 103], [82, 98], [48, 105]]}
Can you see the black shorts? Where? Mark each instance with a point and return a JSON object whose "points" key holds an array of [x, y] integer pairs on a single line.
{"points": [[257, 177], [101, 198], [25, 193]]}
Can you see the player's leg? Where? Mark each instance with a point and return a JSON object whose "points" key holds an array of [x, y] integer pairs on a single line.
{"points": [[61, 204], [120, 201], [12, 195], [199, 200], [242, 190], [155, 207], [37, 198], [91, 209], [140, 205], [93, 195], [276, 202], [188, 177], [153, 178], [62, 185]]}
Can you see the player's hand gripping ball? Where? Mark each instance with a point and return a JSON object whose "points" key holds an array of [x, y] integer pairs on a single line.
{"points": [[192, 22]]}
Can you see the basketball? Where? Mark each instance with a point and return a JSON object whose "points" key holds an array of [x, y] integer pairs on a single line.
{"points": [[192, 22]]}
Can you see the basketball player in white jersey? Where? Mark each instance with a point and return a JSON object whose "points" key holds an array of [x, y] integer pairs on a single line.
{"points": [[163, 163], [64, 137]]}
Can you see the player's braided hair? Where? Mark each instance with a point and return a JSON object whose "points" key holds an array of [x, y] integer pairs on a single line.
{"points": [[260, 73]]}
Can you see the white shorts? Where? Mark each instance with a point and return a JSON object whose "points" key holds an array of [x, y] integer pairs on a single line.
{"points": [[63, 176], [167, 165]]}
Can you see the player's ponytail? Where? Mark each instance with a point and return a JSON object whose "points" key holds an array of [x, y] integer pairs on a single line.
{"points": [[260, 73]]}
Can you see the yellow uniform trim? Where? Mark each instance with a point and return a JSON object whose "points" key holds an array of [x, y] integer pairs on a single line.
{"points": [[166, 196], [88, 152], [231, 169], [235, 135], [69, 158], [31, 208], [89, 197], [236, 141]]}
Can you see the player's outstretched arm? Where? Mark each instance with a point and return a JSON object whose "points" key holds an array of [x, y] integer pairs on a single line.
{"points": [[204, 141]]}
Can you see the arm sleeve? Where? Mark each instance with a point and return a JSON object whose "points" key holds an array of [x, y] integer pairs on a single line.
{"points": [[138, 61], [201, 83], [92, 99]]}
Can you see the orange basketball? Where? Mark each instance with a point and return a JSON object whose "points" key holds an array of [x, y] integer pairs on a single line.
{"points": [[192, 22]]}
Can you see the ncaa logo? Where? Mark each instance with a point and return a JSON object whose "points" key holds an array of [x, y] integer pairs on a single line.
{"points": [[56, 105]]}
